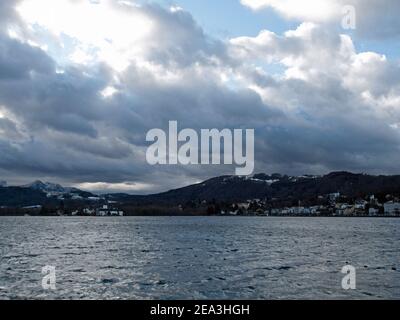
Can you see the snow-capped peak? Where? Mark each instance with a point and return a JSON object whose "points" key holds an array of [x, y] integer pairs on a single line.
{"points": [[46, 186]]}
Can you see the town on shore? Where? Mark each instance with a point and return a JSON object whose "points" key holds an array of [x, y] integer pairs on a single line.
{"points": [[330, 205], [338, 194]]}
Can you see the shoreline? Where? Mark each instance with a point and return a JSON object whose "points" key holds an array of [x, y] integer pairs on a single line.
{"points": [[203, 216]]}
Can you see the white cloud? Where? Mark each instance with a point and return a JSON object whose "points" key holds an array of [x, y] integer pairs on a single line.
{"points": [[115, 187], [117, 33], [109, 92], [305, 52], [305, 10], [114, 31], [374, 18], [328, 67]]}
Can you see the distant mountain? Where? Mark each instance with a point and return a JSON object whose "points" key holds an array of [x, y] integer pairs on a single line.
{"points": [[50, 187], [45, 187], [225, 188], [260, 186], [40, 193], [18, 197]]}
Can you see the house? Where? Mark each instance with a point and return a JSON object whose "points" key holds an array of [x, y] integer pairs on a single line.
{"points": [[349, 211], [373, 212], [392, 208], [334, 196], [89, 212], [285, 212], [243, 206], [360, 204], [314, 210], [275, 212], [107, 211], [341, 208], [373, 200]]}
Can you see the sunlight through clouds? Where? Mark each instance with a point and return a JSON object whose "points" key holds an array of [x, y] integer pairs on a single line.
{"points": [[107, 31], [81, 82]]}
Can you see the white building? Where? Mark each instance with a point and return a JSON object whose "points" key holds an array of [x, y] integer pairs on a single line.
{"points": [[243, 206], [392, 208], [334, 196], [105, 211], [315, 209], [299, 210], [89, 212], [373, 212]]}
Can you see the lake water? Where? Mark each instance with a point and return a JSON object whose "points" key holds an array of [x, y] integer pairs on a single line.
{"points": [[199, 258]]}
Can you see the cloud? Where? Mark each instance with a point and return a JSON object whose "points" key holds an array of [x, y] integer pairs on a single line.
{"points": [[8, 15], [306, 10], [17, 60], [332, 96], [146, 34], [375, 18], [77, 98]]}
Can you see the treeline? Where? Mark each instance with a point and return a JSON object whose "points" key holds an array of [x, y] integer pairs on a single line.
{"points": [[19, 212], [160, 210]]}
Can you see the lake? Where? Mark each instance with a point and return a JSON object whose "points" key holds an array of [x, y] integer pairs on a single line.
{"points": [[199, 257]]}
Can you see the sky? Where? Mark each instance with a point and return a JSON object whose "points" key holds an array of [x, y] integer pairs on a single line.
{"points": [[83, 81]]}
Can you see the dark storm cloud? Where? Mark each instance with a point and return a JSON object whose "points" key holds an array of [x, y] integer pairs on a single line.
{"points": [[32, 90], [9, 129], [58, 125], [58, 110], [45, 159], [179, 40], [18, 60]]}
